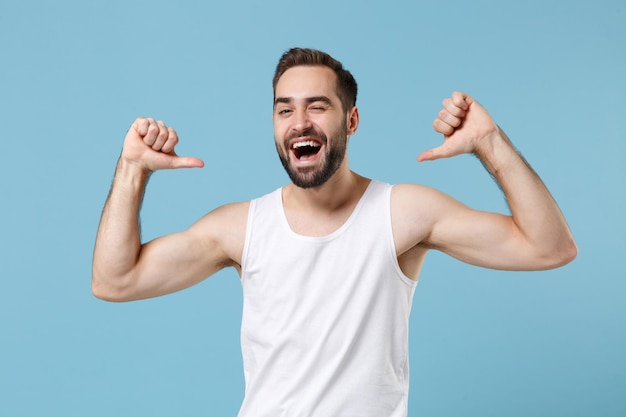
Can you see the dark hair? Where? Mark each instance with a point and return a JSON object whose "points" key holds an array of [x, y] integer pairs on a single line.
{"points": [[346, 84]]}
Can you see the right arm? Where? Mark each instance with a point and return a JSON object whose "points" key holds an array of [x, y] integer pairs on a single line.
{"points": [[125, 269]]}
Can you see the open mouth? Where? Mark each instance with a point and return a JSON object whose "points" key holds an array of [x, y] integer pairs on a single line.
{"points": [[306, 149]]}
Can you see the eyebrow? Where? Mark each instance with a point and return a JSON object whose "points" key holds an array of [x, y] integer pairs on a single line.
{"points": [[309, 100]]}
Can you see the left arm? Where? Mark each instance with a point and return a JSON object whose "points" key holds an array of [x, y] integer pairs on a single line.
{"points": [[535, 236]]}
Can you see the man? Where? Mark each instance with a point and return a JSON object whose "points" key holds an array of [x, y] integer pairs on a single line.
{"points": [[329, 262]]}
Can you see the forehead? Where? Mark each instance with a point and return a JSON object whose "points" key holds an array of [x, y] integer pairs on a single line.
{"points": [[307, 81]]}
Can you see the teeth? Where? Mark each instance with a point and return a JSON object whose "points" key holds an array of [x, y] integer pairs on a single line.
{"points": [[306, 143]]}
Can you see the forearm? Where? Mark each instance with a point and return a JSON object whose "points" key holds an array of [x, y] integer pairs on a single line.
{"points": [[118, 241], [534, 211]]}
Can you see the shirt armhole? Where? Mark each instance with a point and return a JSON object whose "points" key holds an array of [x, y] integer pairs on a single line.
{"points": [[248, 238], [391, 243]]}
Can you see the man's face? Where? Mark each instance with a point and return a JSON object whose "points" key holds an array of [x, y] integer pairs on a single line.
{"points": [[310, 126]]}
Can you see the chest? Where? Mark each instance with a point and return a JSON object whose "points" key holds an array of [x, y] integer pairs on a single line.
{"points": [[316, 223]]}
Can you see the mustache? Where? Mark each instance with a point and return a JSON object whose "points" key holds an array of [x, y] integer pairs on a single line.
{"points": [[310, 132]]}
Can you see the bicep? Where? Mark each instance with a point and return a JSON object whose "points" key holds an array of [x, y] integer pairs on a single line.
{"points": [[485, 239], [172, 263], [179, 260], [434, 220]]}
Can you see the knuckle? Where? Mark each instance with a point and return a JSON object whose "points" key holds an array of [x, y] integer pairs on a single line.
{"points": [[458, 99], [455, 120], [153, 129]]}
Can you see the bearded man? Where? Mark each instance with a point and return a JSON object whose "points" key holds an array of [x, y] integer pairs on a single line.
{"points": [[329, 262]]}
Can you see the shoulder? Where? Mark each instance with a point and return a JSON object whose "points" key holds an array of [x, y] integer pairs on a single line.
{"points": [[416, 196], [223, 219], [232, 210], [224, 228], [420, 196], [415, 210]]}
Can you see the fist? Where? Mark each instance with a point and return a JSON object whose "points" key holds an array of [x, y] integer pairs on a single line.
{"points": [[150, 145], [464, 123]]}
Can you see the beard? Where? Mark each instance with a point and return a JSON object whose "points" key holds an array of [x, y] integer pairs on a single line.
{"points": [[332, 158]]}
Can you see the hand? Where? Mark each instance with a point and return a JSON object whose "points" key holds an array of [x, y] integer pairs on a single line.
{"points": [[150, 145], [464, 124]]}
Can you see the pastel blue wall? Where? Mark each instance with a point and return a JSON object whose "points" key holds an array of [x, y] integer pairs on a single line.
{"points": [[74, 75]]}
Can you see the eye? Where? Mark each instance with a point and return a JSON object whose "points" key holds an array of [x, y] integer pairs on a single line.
{"points": [[317, 108], [283, 112]]}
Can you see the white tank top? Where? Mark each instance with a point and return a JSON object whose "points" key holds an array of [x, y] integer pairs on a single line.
{"points": [[325, 319]]}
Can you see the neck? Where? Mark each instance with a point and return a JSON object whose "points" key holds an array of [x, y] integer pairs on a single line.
{"points": [[343, 189]]}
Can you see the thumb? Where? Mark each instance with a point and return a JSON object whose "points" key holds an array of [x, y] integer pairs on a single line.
{"points": [[434, 154], [170, 160], [185, 162], [426, 156]]}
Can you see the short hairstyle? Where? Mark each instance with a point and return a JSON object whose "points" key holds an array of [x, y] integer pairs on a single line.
{"points": [[346, 84]]}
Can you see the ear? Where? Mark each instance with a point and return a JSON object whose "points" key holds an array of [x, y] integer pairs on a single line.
{"points": [[353, 121]]}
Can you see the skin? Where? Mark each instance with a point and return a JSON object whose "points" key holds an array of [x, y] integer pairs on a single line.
{"points": [[534, 237], [303, 172]]}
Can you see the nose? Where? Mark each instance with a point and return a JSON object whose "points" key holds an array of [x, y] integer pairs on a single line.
{"points": [[301, 120]]}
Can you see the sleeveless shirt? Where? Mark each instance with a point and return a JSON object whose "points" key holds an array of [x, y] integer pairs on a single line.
{"points": [[325, 319]]}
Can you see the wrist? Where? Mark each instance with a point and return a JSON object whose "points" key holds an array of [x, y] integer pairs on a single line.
{"points": [[131, 172], [491, 146], [495, 151]]}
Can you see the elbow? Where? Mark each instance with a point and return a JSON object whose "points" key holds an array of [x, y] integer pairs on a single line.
{"points": [[105, 291], [565, 253], [569, 252], [100, 291]]}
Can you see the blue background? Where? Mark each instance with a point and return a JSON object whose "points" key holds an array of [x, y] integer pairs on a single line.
{"points": [[74, 75]]}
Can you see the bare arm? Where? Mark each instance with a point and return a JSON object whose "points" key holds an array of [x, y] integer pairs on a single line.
{"points": [[535, 235], [124, 268]]}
